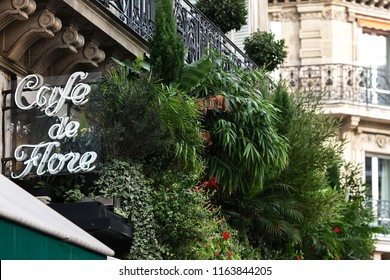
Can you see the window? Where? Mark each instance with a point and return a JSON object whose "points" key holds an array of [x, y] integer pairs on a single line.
{"points": [[377, 177], [374, 58]]}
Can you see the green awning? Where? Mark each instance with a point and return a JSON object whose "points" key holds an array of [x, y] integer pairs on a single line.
{"points": [[29, 229]]}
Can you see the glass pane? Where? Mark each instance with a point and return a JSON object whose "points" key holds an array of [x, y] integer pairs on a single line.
{"points": [[384, 179], [368, 171], [372, 50]]}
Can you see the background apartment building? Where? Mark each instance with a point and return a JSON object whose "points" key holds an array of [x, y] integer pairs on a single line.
{"points": [[342, 48]]}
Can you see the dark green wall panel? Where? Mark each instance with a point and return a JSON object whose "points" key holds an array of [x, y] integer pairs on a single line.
{"points": [[21, 243]]}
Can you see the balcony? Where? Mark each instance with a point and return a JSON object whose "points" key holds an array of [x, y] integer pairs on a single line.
{"points": [[199, 33], [341, 83], [381, 210]]}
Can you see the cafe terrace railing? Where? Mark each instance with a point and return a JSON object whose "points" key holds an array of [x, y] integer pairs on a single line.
{"points": [[198, 32], [341, 82]]}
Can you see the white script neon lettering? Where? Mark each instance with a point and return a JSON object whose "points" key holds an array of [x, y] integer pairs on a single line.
{"points": [[51, 99], [46, 160], [44, 157]]}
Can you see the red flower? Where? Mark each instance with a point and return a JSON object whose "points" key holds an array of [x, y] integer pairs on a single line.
{"points": [[337, 230], [299, 258], [219, 244], [226, 235], [216, 253], [213, 182]]}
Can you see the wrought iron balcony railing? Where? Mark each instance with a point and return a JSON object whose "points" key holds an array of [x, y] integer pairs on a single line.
{"points": [[381, 210], [198, 32], [341, 82]]}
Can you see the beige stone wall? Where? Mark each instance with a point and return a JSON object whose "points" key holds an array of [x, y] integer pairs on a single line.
{"points": [[316, 33]]}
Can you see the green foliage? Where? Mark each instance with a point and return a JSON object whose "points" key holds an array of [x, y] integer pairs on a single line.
{"points": [[134, 68], [73, 195], [314, 144], [181, 119], [226, 14], [282, 101], [166, 47], [269, 220], [357, 229], [189, 226], [141, 119], [265, 50], [272, 170], [309, 209], [246, 145], [314, 147], [129, 116], [124, 180], [195, 72]]}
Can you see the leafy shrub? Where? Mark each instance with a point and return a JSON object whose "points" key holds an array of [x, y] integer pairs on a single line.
{"points": [[189, 226], [246, 145], [129, 116], [181, 118], [226, 14], [141, 118], [265, 50]]}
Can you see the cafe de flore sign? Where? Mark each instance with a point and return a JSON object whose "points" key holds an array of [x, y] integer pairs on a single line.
{"points": [[45, 157]]}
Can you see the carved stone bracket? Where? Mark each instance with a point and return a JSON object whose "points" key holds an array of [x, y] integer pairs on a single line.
{"points": [[24, 34], [91, 55], [46, 52], [11, 10]]}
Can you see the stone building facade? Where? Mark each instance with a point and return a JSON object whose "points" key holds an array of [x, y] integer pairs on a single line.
{"points": [[342, 48]]}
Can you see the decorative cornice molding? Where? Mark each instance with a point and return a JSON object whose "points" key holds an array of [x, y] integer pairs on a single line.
{"points": [[335, 15], [294, 15]]}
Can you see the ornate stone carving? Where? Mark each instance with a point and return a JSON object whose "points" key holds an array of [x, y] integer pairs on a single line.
{"points": [[285, 15], [90, 56], [24, 34], [334, 15], [46, 52], [290, 16], [93, 53], [381, 140], [11, 10], [49, 21], [312, 15], [73, 38], [374, 140], [366, 138]]}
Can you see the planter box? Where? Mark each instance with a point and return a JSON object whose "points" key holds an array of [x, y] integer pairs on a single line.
{"points": [[96, 219]]}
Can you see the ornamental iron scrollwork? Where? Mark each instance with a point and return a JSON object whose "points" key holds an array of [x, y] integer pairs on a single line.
{"points": [[381, 209], [200, 35], [341, 82]]}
